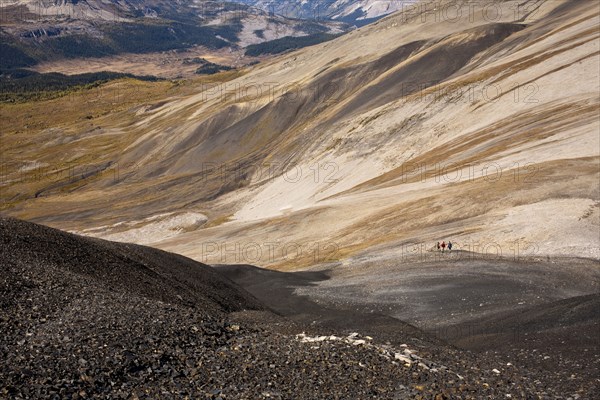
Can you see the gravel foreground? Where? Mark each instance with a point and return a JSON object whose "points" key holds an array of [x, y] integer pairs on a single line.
{"points": [[84, 318]]}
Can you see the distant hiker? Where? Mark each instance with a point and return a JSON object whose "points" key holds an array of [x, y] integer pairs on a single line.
{"points": [[438, 246], [443, 246], [449, 245]]}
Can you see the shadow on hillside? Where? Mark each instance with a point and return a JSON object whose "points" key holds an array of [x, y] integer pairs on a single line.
{"points": [[276, 290]]}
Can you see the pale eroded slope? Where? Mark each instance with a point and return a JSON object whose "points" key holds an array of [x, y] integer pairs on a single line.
{"points": [[408, 131]]}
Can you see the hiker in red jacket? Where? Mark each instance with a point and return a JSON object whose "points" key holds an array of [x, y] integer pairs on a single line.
{"points": [[443, 246]]}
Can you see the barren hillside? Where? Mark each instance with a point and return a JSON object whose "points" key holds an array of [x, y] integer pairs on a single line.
{"points": [[86, 318], [472, 122]]}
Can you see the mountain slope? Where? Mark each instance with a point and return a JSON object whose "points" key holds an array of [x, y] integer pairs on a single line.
{"points": [[138, 271], [34, 31], [86, 318], [484, 132], [357, 12]]}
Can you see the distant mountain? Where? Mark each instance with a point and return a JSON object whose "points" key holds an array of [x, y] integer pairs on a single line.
{"points": [[33, 31], [355, 12]]}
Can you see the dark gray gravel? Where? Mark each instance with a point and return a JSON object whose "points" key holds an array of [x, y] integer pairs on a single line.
{"points": [[83, 318]]}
